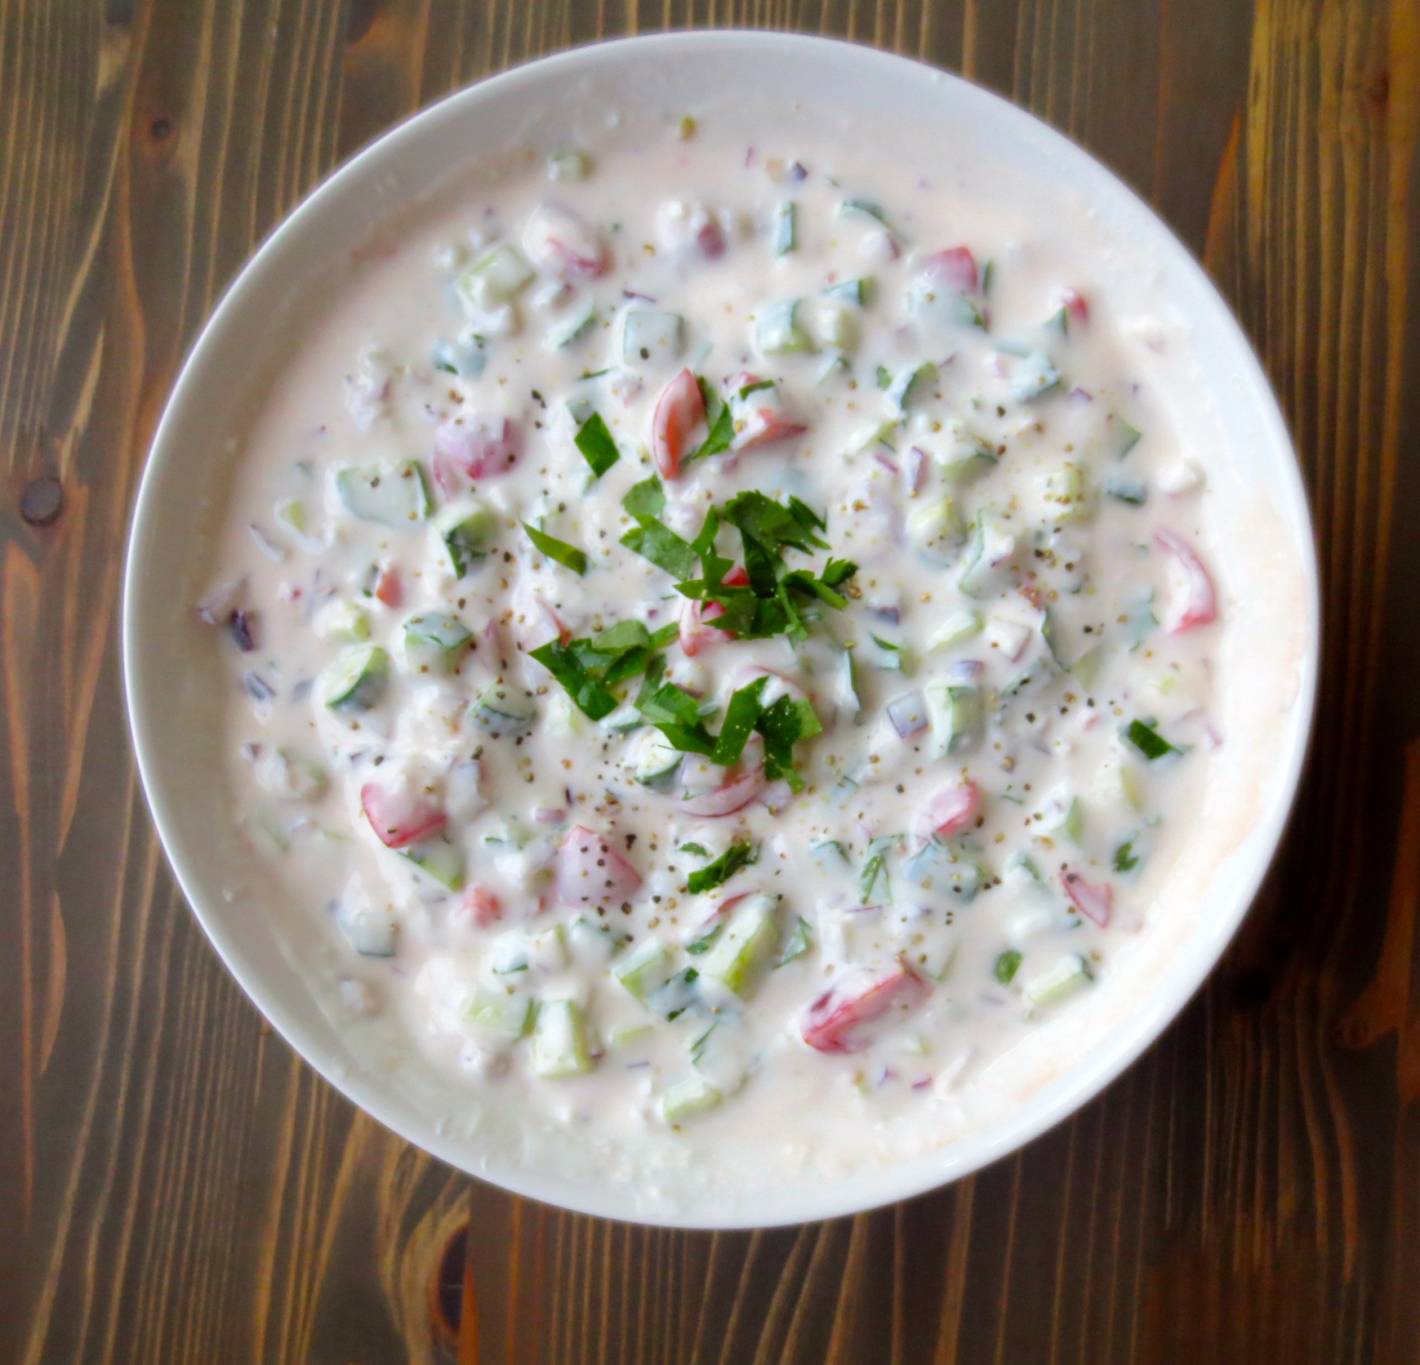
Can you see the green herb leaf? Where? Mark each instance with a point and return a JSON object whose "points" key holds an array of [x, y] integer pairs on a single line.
{"points": [[569, 556], [1149, 741], [1125, 859], [740, 717], [622, 636], [874, 876], [595, 442], [719, 420], [654, 541], [1007, 965], [722, 869], [699, 850], [646, 500], [590, 693], [783, 724]]}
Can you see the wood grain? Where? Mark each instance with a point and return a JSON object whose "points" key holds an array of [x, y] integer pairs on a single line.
{"points": [[175, 1186]]}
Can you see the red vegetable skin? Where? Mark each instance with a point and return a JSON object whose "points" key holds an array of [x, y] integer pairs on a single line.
{"points": [[479, 448], [399, 818], [954, 268], [589, 871], [951, 812], [1197, 603], [1094, 900], [727, 798], [837, 1021], [1075, 304], [389, 588], [679, 411], [482, 905]]}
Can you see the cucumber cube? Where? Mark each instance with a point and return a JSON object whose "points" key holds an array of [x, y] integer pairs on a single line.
{"points": [[435, 642], [357, 680], [644, 970], [500, 711], [393, 494], [779, 331], [688, 1098], [467, 529], [495, 278], [911, 386], [936, 530], [559, 1040], [501, 1013], [1068, 974], [746, 944], [651, 336], [439, 859]]}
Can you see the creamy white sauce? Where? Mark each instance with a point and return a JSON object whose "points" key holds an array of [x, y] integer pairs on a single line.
{"points": [[1000, 491]]}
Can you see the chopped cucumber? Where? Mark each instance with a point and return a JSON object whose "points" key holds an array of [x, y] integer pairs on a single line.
{"points": [[956, 629], [392, 494], [439, 859], [467, 529], [343, 621], [688, 1098], [291, 513], [502, 1013], [573, 328], [567, 165], [855, 206], [832, 326], [467, 357], [654, 760], [1135, 492], [988, 556], [799, 941], [357, 680], [651, 336], [784, 228], [372, 933], [858, 292], [744, 948], [778, 329], [912, 385], [495, 278], [644, 970], [1068, 974], [499, 711], [831, 857], [1067, 492], [846, 689], [676, 996], [936, 529], [559, 1040], [1127, 436], [958, 717], [435, 642], [1034, 377], [588, 940]]}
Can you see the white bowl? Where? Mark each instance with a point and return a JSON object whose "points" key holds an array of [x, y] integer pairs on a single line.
{"points": [[1263, 517]]}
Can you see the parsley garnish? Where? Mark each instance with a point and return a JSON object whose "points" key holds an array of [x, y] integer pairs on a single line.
{"points": [[1007, 965], [651, 538], [569, 556], [589, 669], [875, 868], [583, 682], [722, 869], [1125, 859], [1149, 741], [783, 724], [594, 440]]}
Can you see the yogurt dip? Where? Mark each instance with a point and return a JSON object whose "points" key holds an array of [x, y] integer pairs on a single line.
{"points": [[720, 646]]}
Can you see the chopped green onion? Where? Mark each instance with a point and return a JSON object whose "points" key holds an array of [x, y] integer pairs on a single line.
{"points": [[1007, 965], [1148, 741]]}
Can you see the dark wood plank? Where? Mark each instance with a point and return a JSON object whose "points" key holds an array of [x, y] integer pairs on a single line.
{"points": [[175, 1186]]}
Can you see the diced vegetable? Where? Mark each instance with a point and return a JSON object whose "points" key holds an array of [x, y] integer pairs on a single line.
{"points": [[472, 448], [1067, 975], [440, 859], [784, 228], [779, 331], [392, 494], [435, 642], [468, 530], [654, 760], [912, 385], [559, 1040], [500, 710], [504, 1014], [951, 812], [1194, 602], [935, 530], [400, 817], [589, 871], [1094, 900], [357, 680], [688, 1098], [743, 949], [495, 278], [842, 1018], [680, 410], [651, 336], [644, 970]]}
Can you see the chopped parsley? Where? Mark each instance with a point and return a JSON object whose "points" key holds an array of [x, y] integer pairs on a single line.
{"points": [[1149, 741], [595, 442], [569, 556], [722, 869], [1007, 965]]}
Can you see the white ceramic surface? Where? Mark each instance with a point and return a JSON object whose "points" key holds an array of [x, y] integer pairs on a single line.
{"points": [[676, 72]]}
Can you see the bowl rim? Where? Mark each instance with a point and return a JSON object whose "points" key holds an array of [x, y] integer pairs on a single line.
{"points": [[1082, 1081]]}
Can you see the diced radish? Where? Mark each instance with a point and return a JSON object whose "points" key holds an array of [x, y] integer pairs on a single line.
{"points": [[389, 587], [727, 798], [1197, 604], [1075, 304], [564, 631], [476, 448], [679, 411], [561, 242], [400, 818], [589, 871], [764, 426], [1094, 900], [837, 1021], [696, 634], [482, 905], [951, 812], [710, 239], [918, 464], [954, 268]]}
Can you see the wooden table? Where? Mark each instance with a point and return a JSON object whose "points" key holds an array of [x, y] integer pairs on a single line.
{"points": [[176, 1186]]}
